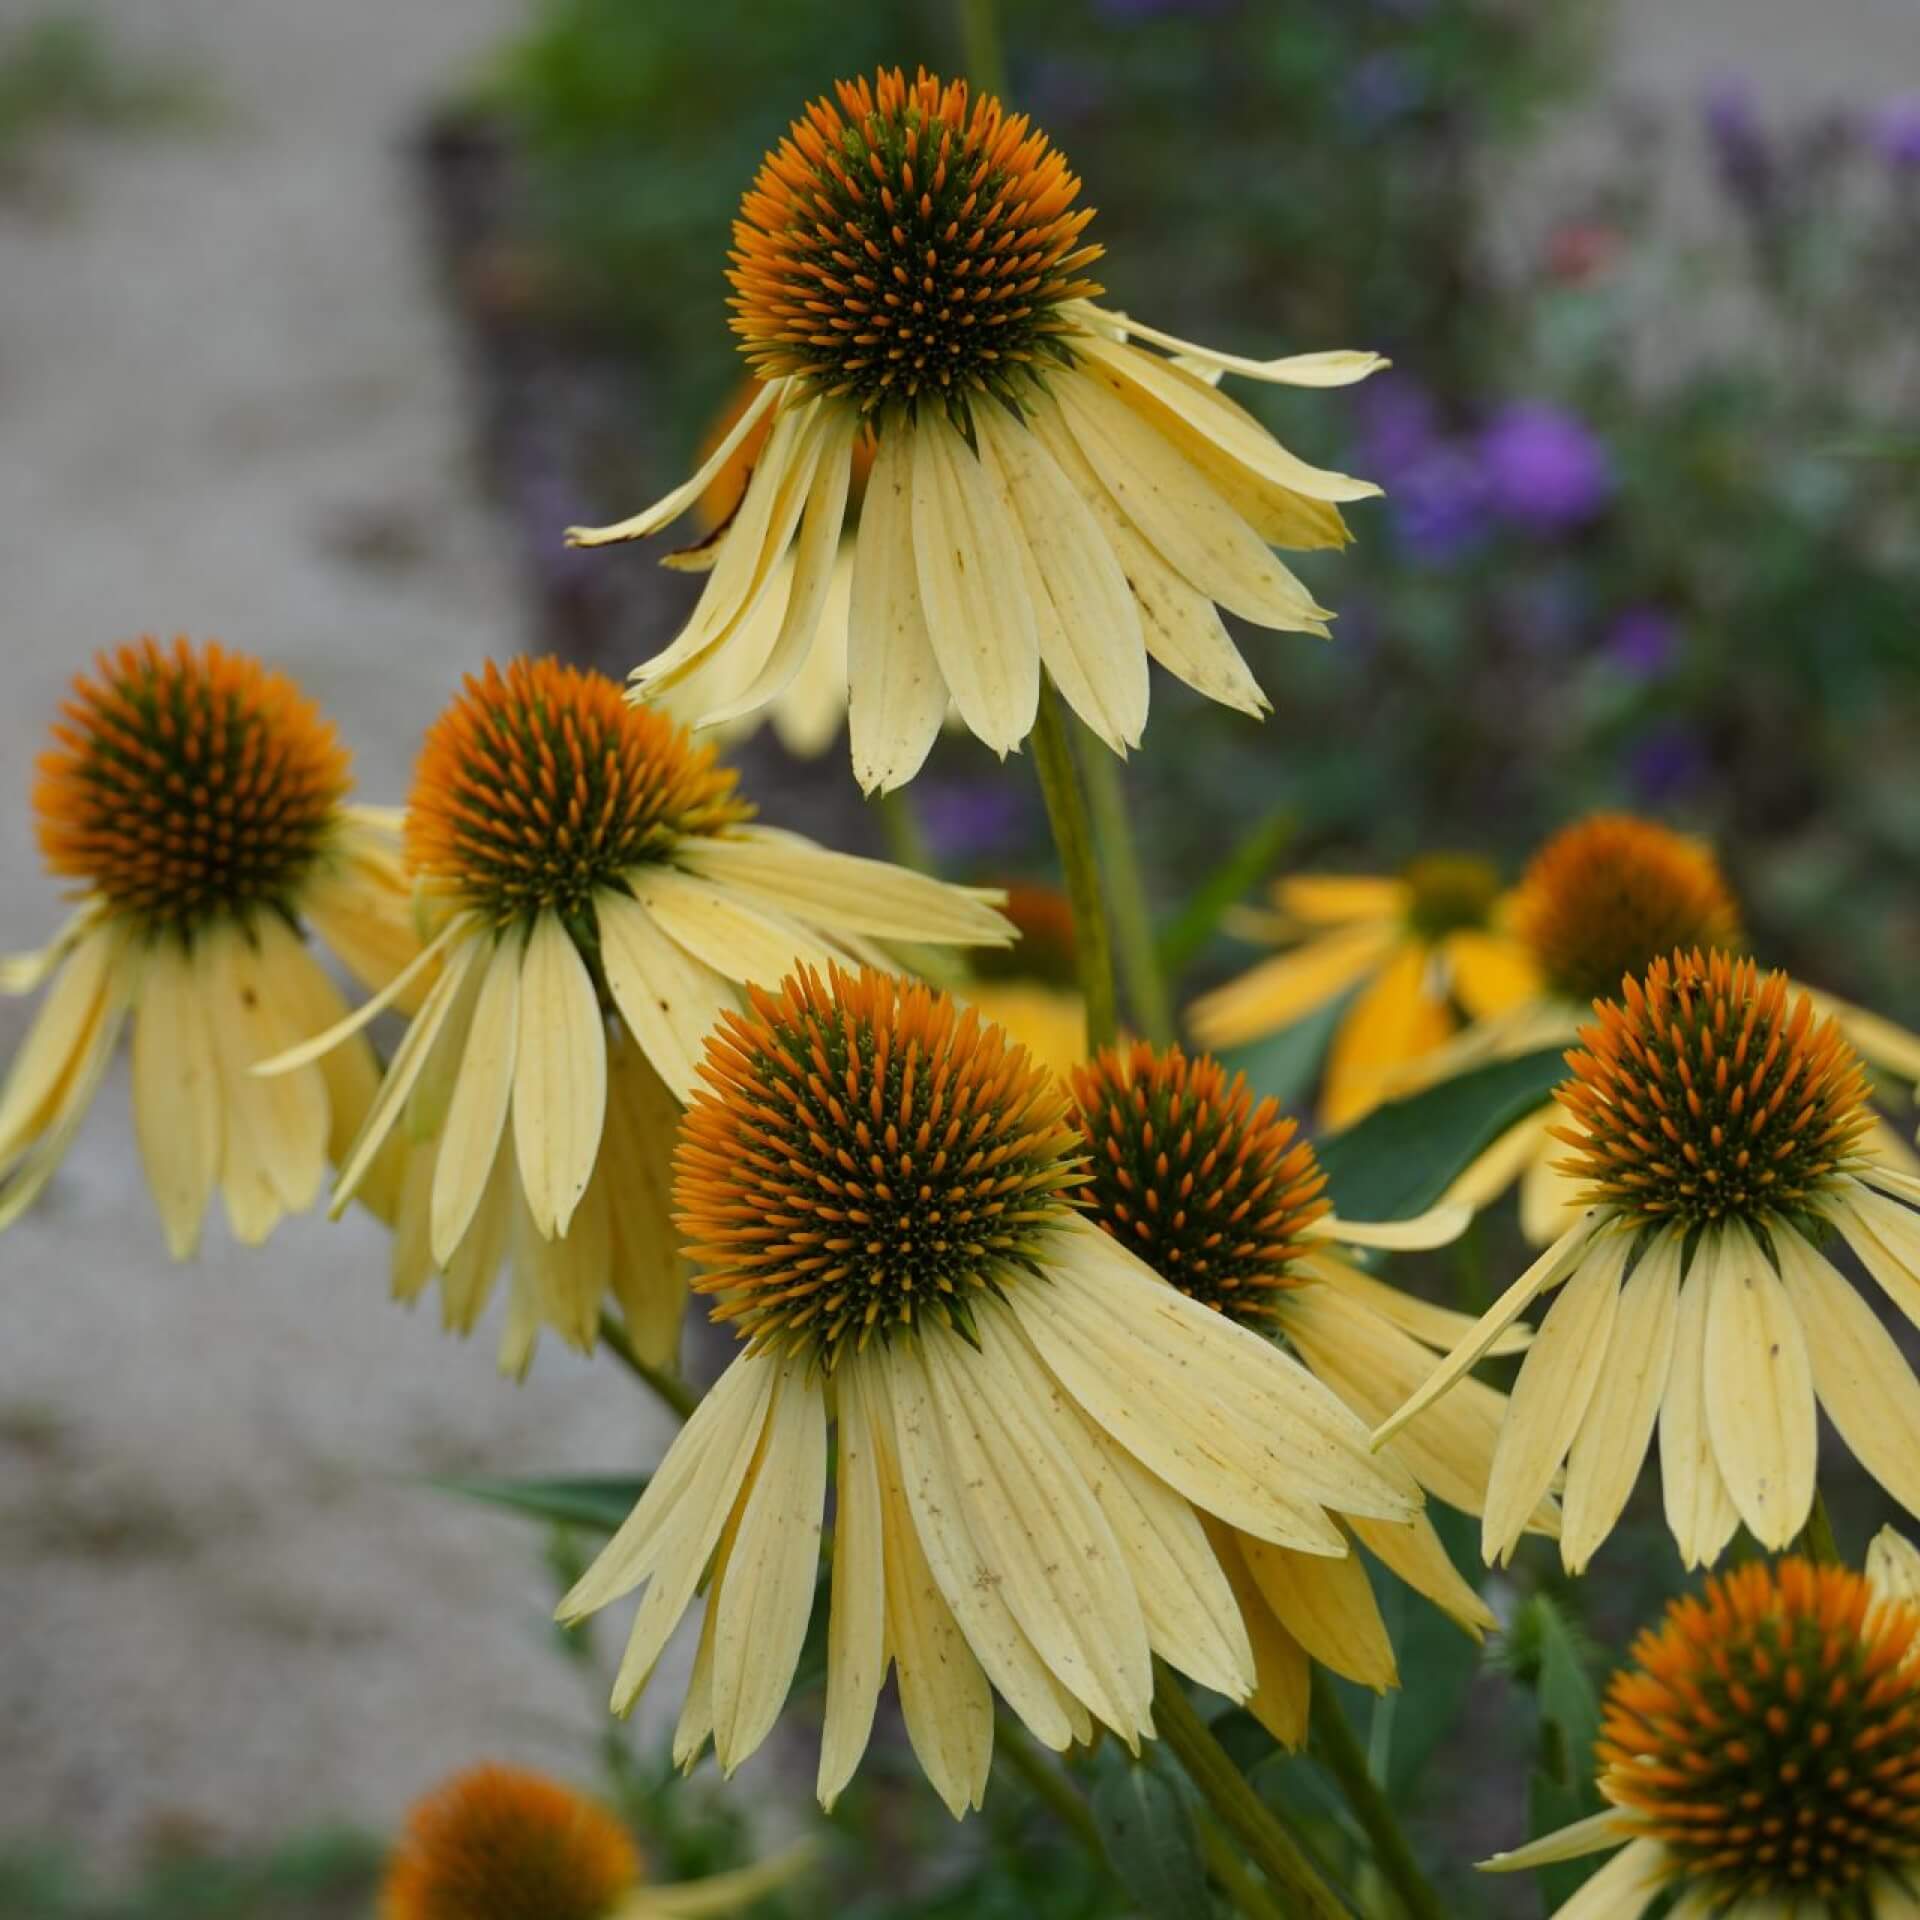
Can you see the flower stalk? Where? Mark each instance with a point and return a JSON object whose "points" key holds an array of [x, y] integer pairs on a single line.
{"points": [[1336, 1746], [1073, 836]]}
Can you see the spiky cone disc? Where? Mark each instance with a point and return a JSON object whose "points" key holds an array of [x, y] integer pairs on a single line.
{"points": [[1211, 1191], [541, 783], [1610, 894], [187, 782], [1768, 1734], [864, 1154], [498, 1843], [1708, 1093], [914, 240]]}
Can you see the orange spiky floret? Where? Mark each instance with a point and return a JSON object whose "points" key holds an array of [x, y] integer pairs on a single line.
{"points": [[911, 240], [1706, 1092], [1209, 1190], [540, 783], [188, 781], [1768, 1733], [1607, 896], [497, 1843], [864, 1152]]}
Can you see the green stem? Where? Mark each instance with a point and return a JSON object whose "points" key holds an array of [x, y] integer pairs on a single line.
{"points": [[1073, 836], [1339, 1750], [900, 828], [674, 1391], [980, 46], [1126, 887], [1817, 1539], [1047, 1783], [1230, 1875], [1241, 1811]]}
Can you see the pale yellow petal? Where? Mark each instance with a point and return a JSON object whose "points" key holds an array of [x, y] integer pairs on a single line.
{"points": [[1331, 899], [467, 1284], [972, 587], [1435, 1326], [765, 1603], [1087, 620], [719, 1893], [1183, 518], [1418, 1233], [1883, 1042], [1617, 1429], [1399, 1016], [1886, 1236], [1551, 1395], [477, 1106], [1550, 1198], [663, 512], [1289, 986], [1893, 1565], [1180, 625], [857, 1618], [896, 696], [1038, 1526], [1489, 974], [1547, 1272], [1861, 1376], [1700, 1512], [1337, 367], [725, 930], [899, 1394], [1283, 1679], [1327, 1605], [360, 903], [1594, 1834], [647, 1273], [669, 1000], [1629, 1885], [1420, 1557], [24, 972], [58, 1039], [1760, 1405], [410, 1266], [809, 715], [176, 1092], [559, 1075], [844, 893]]}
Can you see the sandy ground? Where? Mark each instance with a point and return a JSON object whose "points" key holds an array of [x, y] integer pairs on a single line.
{"points": [[227, 404]]}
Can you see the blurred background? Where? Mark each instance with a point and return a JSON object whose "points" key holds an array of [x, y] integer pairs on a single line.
{"points": [[317, 324]]}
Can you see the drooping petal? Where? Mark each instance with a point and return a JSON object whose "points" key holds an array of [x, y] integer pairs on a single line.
{"points": [[857, 1617], [896, 695], [1288, 986], [1434, 1326], [1327, 1604], [1420, 1557], [972, 587], [477, 1108], [1283, 1679], [669, 999], [59, 1036], [1396, 1018], [727, 932], [1700, 1512], [559, 1075], [1594, 1834], [176, 1092], [1338, 367], [1760, 1406]]}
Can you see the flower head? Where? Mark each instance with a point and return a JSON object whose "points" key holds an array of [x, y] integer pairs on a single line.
{"points": [[1719, 1127], [1610, 894], [1045, 495], [1762, 1751], [497, 1843], [1424, 949], [1545, 471], [605, 898], [1226, 1201], [1033, 1431], [199, 801]]}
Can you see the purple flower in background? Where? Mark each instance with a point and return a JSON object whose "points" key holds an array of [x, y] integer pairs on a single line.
{"points": [[1544, 470], [969, 820], [1399, 425], [1643, 641], [1743, 155], [1438, 503], [1896, 133], [1381, 89], [1665, 762]]}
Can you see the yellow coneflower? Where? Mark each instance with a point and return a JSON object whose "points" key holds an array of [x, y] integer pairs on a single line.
{"points": [[1226, 1200], [808, 713], [878, 1187], [1045, 493], [1761, 1757], [1716, 1128], [500, 1843], [1602, 900], [594, 867], [1424, 950], [200, 803]]}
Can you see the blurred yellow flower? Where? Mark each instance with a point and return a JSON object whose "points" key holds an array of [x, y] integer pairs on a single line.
{"points": [[1761, 1758], [604, 897], [500, 1843], [878, 1188], [1226, 1201], [1045, 494], [200, 802], [1715, 1128], [1422, 950]]}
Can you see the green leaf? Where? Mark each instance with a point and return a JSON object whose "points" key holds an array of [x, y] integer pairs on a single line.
{"points": [[1146, 1821], [600, 1501], [1547, 1651], [1249, 861], [1404, 1155]]}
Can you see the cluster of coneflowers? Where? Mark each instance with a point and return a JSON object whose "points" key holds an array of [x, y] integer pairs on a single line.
{"points": [[1107, 1391]]}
